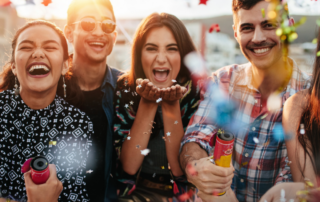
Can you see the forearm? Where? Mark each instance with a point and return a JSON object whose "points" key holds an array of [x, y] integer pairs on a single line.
{"points": [[5, 200], [191, 151], [131, 157], [173, 132]]}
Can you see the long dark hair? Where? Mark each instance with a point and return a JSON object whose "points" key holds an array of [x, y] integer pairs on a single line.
{"points": [[180, 33], [74, 95], [311, 119]]}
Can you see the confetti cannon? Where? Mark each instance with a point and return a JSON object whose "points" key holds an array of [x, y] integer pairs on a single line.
{"points": [[223, 150], [39, 167]]}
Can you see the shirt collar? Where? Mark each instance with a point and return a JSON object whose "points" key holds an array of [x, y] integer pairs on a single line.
{"points": [[109, 78]]}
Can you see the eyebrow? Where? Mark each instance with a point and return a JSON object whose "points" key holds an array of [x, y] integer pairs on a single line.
{"points": [[262, 23], [152, 44], [32, 42]]}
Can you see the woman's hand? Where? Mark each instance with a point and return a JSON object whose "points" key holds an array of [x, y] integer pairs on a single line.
{"points": [[173, 93], [48, 191], [147, 90], [290, 190]]}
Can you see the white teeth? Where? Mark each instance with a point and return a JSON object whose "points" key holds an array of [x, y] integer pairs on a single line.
{"points": [[161, 70], [261, 50], [39, 67], [96, 43]]}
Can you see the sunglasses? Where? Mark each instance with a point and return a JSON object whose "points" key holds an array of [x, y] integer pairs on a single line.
{"points": [[89, 24]]}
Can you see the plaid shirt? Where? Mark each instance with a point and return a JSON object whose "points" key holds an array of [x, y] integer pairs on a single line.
{"points": [[258, 166]]}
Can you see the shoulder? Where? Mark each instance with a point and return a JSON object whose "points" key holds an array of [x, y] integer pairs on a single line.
{"points": [[301, 80], [116, 72], [295, 105], [230, 72]]}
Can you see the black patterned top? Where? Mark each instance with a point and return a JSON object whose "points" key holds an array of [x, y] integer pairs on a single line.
{"points": [[126, 104], [60, 132]]}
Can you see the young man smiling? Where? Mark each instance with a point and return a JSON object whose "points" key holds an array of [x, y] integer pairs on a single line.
{"points": [[91, 30], [256, 166]]}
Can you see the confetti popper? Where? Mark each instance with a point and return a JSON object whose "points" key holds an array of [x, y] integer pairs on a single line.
{"points": [[223, 150], [39, 167]]}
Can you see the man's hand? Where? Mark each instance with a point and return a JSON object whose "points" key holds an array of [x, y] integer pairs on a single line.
{"points": [[48, 191], [208, 177], [290, 190], [228, 196]]}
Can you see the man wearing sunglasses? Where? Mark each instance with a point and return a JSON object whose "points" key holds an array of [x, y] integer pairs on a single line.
{"points": [[91, 30]]}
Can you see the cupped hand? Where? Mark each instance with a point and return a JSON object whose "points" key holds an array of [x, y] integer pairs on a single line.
{"points": [[147, 90], [48, 191], [208, 177], [173, 93]]}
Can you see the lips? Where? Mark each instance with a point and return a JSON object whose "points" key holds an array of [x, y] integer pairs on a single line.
{"points": [[97, 45], [38, 69], [261, 50], [161, 75]]}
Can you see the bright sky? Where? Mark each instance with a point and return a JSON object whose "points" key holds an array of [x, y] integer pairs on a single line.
{"points": [[184, 9]]}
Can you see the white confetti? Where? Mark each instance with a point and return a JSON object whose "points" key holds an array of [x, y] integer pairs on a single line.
{"points": [[195, 63], [302, 131], [159, 100], [126, 105], [168, 134], [131, 102], [145, 152], [282, 197], [128, 138], [126, 91], [89, 171], [154, 174], [174, 81], [171, 181], [176, 122], [139, 86], [274, 102], [256, 140]]}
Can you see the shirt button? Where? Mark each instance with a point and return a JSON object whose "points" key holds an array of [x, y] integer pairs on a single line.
{"points": [[253, 128], [246, 155], [241, 180]]}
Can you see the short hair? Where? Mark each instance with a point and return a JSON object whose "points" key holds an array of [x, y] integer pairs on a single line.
{"points": [[243, 4], [76, 5]]}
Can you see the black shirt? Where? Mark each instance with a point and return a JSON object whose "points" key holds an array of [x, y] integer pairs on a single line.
{"points": [[96, 163]]}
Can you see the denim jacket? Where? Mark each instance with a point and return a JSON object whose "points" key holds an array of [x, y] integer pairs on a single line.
{"points": [[108, 86]]}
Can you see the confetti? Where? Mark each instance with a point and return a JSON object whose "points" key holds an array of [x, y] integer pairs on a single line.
{"points": [[54, 143], [139, 86], [263, 12], [274, 102], [126, 91], [154, 174], [283, 194], [162, 167], [159, 100], [302, 131], [267, 143], [256, 140], [168, 134], [128, 138], [173, 80], [176, 122], [186, 196], [205, 2], [318, 54], [126, 105], [243, 164], [169, 166], [278, 132], [315, 41], [145, 152], [118, 93], [131, 102], [264, 116], [195, 63], [89, 171], [171, 181], [318, 22], [46, 2], [214, 27], [258, 166], [138, 146], [190, 169]]}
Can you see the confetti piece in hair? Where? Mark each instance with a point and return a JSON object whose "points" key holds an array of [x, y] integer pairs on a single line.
{"points": [[89, 171], [173, 80], [46, 2], [168, 134], [274, 102], [302, 131], [256, 140], [203, 2], [176, 122], [139, 86], [318, 54], [191, 170], [159, 100], [263, 12], [145, 152], [126, 91]]}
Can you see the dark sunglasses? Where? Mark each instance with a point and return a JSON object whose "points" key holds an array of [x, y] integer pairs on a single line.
{"points": [[89, 24]]}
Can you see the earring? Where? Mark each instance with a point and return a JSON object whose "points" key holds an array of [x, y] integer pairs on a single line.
{"points": [[16, 87], [64, 87]]}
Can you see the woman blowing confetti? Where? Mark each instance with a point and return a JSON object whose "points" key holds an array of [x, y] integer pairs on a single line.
{"points": [[153, 105], [37, 121]]}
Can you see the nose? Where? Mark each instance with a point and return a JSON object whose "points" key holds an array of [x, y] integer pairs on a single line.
{"points": [[258, 36], [98, 31], [38, 53], [161, 57]]}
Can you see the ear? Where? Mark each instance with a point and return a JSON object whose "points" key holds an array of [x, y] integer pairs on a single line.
{"points": [[235, 33], [65, 67], [14, 69], [115, 35], [68, 32]]}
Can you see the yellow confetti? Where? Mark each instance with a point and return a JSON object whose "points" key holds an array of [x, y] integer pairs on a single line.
{"points": [[263, 12], [162, 167], [318, 54], [272, 15], [315, 41], [279, 32], [264, 116], [54, 143]]}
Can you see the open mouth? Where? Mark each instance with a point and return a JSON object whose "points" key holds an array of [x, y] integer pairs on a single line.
{"points": [[261, 51], [97, 45], [161, 74], [38, 70]]}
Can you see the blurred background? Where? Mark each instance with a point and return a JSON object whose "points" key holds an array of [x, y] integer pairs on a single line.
{"points": [[218, 48]]}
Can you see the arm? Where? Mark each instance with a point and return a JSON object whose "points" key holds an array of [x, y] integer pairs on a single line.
{"points": [[292, 112], [131, 157]]}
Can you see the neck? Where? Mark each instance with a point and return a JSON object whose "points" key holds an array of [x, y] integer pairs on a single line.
{"points": [[37, 100], [90, 75], [271, 79]]}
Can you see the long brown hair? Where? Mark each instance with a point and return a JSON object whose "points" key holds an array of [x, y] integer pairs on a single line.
{"points": [[311, 119], [74, 95], [180, 33]]}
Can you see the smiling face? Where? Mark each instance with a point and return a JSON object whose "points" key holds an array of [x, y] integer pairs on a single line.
{"points": [[257, 37], [93, 46], [160, 57], [38, 59]]}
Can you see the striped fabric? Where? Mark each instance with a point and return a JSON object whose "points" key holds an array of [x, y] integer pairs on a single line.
{"points": [[258, 166]]}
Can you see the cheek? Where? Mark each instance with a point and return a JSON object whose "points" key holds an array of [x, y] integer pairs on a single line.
{"points": [[146, 60], [175, 61]]}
